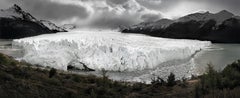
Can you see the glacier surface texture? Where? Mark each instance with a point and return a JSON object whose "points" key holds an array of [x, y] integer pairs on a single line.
{"points": [[106, 49]]}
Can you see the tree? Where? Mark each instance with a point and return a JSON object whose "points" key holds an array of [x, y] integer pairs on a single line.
{"points": [[171, 80]]}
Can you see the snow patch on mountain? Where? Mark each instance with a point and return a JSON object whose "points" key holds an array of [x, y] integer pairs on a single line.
{"points": [[199, 16], [15, 12], [106, 49], [218, 17], [69, 27], [154, 25], [52, 26]]}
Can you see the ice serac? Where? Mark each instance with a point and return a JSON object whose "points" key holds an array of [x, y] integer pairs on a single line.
{"points": [[106, 49]]}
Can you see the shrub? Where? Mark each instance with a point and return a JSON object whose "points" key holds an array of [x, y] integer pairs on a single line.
{"points": [[54, 81], [214, 81], [158, 81], [171, 80], [197, 92], [76, 78], [6, 60], [6, 77], [52, 72], [184, 82], [104, 73]]}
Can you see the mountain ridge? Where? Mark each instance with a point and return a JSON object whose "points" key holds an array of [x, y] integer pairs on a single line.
{"points": [[16, 23], [221, 27]]}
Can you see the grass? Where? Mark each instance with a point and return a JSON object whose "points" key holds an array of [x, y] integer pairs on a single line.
{"points": [[20, 80]]}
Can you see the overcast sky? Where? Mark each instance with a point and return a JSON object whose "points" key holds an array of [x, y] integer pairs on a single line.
{"points": [[113, 13]]}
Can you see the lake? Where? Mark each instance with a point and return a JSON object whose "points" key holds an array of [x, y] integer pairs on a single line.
{"points": [[219, 56]]}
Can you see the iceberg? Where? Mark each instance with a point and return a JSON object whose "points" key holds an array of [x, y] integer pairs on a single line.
{"points": [[110, 50]]}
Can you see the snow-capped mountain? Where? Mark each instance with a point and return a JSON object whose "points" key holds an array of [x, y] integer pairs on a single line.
{"points": [[201, 26], [218, 17], [69, 26], [154, 25], [15, 12], [16, 23], [52, 26]]}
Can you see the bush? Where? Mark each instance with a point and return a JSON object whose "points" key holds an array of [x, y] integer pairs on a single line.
{"points": [[76, 78], [214, 81], [158, 81], [6, 60], [183, 82], [171, 80], [6, 77], [104, 73], [54, 81], [52, 72]]}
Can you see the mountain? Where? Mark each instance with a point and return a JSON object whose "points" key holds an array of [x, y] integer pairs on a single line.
{"points": [[218, 17], [52, 26], [221, 27], [15, 12], [69, 26], [16, 23]]}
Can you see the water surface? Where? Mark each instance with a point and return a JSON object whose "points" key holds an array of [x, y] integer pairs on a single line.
{"points": [[219, 55]]}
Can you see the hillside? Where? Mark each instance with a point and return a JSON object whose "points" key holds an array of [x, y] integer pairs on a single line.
{"points": [[16, 23], [23, 80], [221, 27]]}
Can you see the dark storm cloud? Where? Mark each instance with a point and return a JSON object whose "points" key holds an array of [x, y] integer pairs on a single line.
{"points": [[45, 9]]}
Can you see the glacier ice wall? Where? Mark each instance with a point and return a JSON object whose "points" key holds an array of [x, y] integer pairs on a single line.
{"points": [[106, 49]]}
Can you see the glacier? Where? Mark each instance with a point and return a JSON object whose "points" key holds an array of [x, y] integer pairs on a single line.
{"points": [[110, 50]]}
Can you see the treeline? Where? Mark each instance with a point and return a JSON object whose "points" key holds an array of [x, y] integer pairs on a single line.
{"points": [[224, 84]]}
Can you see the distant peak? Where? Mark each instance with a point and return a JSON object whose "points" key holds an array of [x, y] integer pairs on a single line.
{"points": [[225, 12], [16, 7], [202, 11], [207, 12]]}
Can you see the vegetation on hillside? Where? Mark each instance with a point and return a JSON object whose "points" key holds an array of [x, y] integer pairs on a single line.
{"points": [[20, 80], [224, 84]]}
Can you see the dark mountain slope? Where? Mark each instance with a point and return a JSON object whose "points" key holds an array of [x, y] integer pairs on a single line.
{"points": [[222, 27], [16, 23]]}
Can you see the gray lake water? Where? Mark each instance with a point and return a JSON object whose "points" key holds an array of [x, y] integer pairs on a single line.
{"points": [[6, 48], [220, 55]]}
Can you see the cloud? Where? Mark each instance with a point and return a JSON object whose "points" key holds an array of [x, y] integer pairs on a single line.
{"points": [[177, 8], [110, 20], [113, 13], [117, 2], [91, 13], [4, 4], [150, 17], [47, 9]]}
